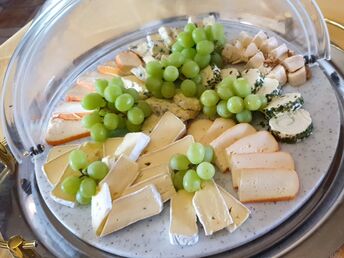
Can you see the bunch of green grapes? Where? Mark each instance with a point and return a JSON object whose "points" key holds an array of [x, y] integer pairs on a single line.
{"points": [[194, 49], [232, 97], [115, 107], [192, 168], [83, 187]]}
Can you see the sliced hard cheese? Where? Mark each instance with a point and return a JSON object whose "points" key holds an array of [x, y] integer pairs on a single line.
{"points": [[261, 141], [132, 145], [152, 172], [149, 124], [211, 208], [168, 129], [217, 128], [57, 151], [198, 128], [163, 155], [183, 220], [226, 139], [133, 207], [101, 206], [122, 174], [237, 210], [54, 169], [259, 160], [264, 184], [163, 183], [111, 144]]}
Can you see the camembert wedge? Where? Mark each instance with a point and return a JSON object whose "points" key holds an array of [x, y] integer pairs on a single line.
{"points": [[101, 206], [111, 144], [132, 145], [57, 151], [198, 128], [152, 172]]}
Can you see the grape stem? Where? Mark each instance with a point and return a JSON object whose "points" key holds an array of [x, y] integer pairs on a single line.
{"points": [[83, 173]]}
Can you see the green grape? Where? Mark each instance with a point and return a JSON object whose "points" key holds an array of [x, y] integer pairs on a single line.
{"points": [[220, 43], [235, 104], [205, 47], [98, 132], [241, 87], [189, 27], [78, 160], [133, 92], [244, 116], [188, 53], [198, 35], [208, 154], [209, 33], [164, 61], [131, 127], [171, 73], [177, 47], [195, 153], [119, 132], [176, 59], [111, 121], [157, 94], [205, 170], [124, 102], [224, 91], [153, 83], [197, 79], [97, 170], [91, 119], [188, 88], [200, 89], [93, 101], [88, 187], [118, 82], [263, 101], [136, 116], [81, 199], [70, 185], [222, 109], [228, 81], [191, 181], [185, 39], [216, 59], [218, 31], [178, 179], [190, 69], [111, 107], [112, 92], [210, 112], [154, 69], [209, 98], [121, 122], [252, 102], [101, 85], [145, 107], [202, 60], [102, 112], [179, 162], [168, 90]]}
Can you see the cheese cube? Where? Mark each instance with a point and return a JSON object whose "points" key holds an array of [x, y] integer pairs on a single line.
{"points": [[101, 206], [132, 145]]}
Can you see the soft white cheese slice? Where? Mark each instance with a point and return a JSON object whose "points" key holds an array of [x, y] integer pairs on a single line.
{"points": [[111, 144], [132, 145], [152, 172], [211, 208], [183, 220], [216, 129], [122, 174], [163, 155], [131, 208], [57, 151], [101, 206]]}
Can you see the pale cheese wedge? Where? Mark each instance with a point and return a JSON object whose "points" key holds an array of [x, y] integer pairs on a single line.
{"points": [[262, 141], [216, 129], [237, 210], [168, 129], [111, 145], [198, 128], [101, 206], [132, 145], [211, 208], [136, 206], [268, 184], [152, 172], [149, 123], [183, 220], [122, 174], [226, 139], [163, 183], [259, 160], [57, 151], [163, 155]]}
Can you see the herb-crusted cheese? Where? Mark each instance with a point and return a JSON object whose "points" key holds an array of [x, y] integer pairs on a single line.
{"points": [[269, 88], [211, 76], [284, 103], [254, 78]]}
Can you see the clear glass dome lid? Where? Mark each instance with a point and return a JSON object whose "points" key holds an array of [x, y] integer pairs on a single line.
{"points": [[67, 36]]}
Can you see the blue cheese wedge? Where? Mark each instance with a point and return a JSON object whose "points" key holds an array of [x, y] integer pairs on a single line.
{"points": [[211, 208], [167, 35], [101, 206], [140, 48], [136, 206], [122, 174], [132, 145], [254, 78], [230, 72], [111, 144], [211, 76], [183, 220], [57, 151], [151, 172], [157, 46], [139, 72]]}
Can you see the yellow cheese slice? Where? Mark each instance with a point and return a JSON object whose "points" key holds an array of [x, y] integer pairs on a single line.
{"points": [[152, 172], [218, 127], [57, 151], [111, 144], [149, 124], [198, 128]]}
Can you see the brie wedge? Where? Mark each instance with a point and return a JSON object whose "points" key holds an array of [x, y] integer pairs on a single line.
{"points": [[198, 128], [111, 144], [101, 206], [57, 151], [152, 172], [132, 145]]}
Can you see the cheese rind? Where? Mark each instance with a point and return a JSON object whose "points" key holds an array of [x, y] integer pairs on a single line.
{"points": [[211, 208], [151, 172], [57, 151], [198, 128], [183, 221], [217, 128], [132, 145], [131, 208]]}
